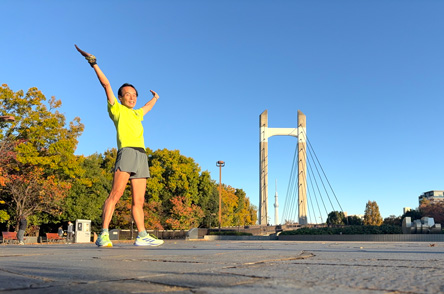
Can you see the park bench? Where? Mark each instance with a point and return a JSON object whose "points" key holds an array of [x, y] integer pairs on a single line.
{"points": [[9, 237], [53, 237]]}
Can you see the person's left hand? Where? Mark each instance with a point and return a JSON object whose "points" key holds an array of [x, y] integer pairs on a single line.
{"points": [[154, 94]]}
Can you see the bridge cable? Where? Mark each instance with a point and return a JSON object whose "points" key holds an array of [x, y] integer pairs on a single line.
{"points": [[317, 186], [288, 197], [310, 197], [311, 147]]}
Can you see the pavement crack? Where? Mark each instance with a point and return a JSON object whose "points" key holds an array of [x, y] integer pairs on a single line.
{"points": [[245, 276], [159, 260], [303, 255]]}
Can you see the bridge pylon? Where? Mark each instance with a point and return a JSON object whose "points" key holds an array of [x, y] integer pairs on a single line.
{"points": [[264, 133]]}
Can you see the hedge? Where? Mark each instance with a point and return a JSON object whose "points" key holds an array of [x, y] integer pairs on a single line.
{"points": [[348, 230]]}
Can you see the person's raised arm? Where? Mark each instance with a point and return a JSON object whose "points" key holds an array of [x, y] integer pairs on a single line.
{"points": [[100, 75], [149, 105]]}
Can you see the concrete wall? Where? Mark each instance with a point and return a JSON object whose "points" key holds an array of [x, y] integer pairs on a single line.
{"points": [[238, 238]]}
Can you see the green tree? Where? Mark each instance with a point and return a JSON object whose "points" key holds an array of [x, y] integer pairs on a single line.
{"points": [[372, 217], [393, 220], [88, 192], [414, 214], [354, 220], [208, 199], [45, 139], [336, 218], [172, 175], [4, 216]]}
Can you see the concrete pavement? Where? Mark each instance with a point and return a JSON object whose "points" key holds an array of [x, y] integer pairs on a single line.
{"points": [[224, 267]]}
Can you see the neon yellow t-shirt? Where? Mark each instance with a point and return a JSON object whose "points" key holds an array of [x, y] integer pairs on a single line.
{"points": [[128, 123]]}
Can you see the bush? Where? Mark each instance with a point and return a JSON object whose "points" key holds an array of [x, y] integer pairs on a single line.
{"points": [[230, 233], [347, 230]]}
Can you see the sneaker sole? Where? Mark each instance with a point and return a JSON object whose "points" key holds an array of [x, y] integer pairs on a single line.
{"points": [[151, 245], [105, 245]]}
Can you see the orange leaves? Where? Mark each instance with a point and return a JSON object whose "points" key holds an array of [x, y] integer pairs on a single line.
{"points": [[372, 217], [236, 208], [433, 209], [184, 215], [31, 191], [153, 215]]}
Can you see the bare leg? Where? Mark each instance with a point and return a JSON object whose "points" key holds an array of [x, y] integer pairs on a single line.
{"points": [[138, 187], [119, 184]]}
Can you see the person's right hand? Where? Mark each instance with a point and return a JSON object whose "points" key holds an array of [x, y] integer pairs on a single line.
{"points": [[89, 57]]}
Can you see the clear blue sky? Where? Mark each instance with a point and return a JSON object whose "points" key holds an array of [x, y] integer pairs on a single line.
{"points": [[367, 74]]}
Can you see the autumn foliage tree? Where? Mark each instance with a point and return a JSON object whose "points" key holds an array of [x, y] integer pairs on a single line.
{"points": [[236, 208], [6, 155], [247, 214], [32, 192], [372, 217], [184, 215], [39, 174], [433, 209], [154, 212]]}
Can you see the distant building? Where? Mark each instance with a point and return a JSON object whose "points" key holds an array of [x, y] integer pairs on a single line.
{"points": [[432, 196]]}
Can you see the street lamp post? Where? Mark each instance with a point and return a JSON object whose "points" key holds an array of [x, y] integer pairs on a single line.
{"points": [[220, 164]]}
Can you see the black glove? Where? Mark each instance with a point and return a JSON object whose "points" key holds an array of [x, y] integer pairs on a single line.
{"points": [[91, 60]]}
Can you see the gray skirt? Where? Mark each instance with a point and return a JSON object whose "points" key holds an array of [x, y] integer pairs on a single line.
{"points": [[132, 161]]}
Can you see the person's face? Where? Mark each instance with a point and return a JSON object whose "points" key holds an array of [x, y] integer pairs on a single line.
{"points": [[129, 97]]}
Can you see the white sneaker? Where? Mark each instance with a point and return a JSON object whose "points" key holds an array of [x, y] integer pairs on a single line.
{"points": [[148, 241], [21, 243]]}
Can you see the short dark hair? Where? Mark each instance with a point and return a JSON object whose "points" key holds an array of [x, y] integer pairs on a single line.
{"points": [[119, 93]]}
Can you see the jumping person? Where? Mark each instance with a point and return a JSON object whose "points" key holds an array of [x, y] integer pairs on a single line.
{"points": [[132, 161]]}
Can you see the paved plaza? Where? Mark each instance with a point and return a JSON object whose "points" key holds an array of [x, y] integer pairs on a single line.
{"points": [[181, 266]]}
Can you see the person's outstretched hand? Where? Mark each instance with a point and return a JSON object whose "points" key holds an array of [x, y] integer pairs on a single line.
{"points": [[89, 57], [154, 94]]}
